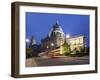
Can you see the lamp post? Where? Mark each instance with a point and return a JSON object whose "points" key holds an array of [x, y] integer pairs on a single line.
{"points": [[52, 45], [27, 42], [68, 36]]}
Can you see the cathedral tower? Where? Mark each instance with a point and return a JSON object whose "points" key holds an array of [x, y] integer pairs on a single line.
{"points": [[57, 34], [32, 42], [55, 37]]}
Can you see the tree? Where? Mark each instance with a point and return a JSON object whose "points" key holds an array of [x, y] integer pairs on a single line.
{"points": [[78, 51], [66, 48]]}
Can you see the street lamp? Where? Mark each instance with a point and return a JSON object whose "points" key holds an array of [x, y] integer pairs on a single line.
{"points": [[68, 36], [52, 44], [47, 47], [27, 42]]}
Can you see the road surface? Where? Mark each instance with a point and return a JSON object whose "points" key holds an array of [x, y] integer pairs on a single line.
{"points": [[63, 60]]}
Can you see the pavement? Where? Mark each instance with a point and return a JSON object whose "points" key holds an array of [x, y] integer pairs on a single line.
{"points": [[56, 61]]}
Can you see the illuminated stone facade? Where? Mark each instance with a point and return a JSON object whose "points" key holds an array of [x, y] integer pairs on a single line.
{"points": [[76, 42], [54, 39]]}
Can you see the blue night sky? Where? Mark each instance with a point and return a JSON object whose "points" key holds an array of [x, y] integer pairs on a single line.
{"points": [[39, 25]]}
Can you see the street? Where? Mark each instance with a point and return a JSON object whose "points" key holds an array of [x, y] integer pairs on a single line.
{"points": [[60, 60]]}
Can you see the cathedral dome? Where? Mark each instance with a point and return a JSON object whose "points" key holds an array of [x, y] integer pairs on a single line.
{"points": [[56, 31]]}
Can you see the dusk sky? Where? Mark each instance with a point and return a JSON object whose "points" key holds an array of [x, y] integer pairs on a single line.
{"points": [[39, 25]]}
